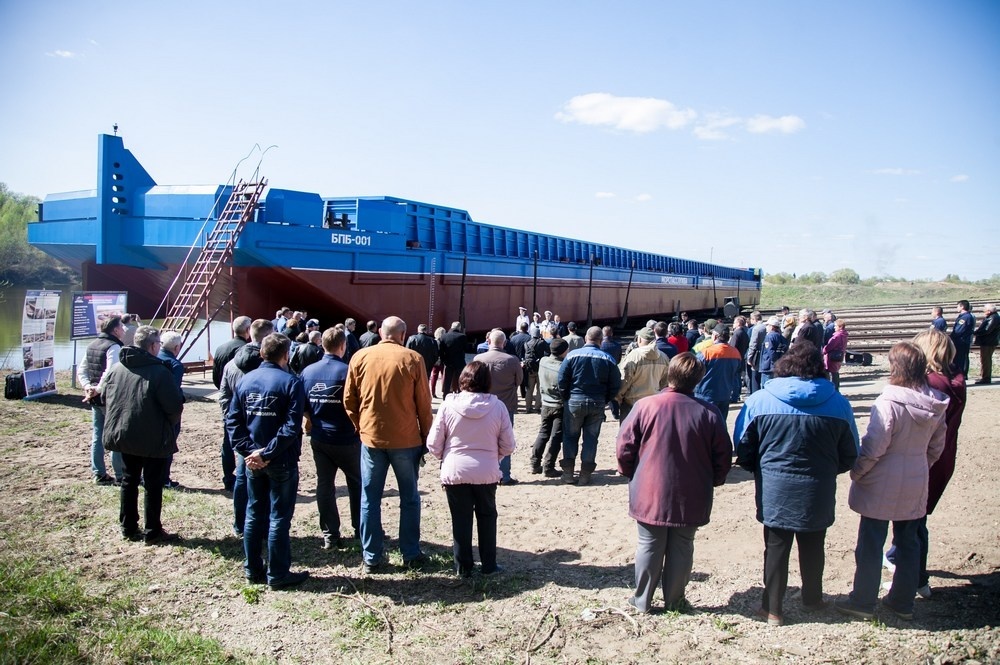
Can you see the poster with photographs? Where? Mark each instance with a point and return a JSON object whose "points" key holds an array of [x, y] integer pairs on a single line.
{"points": [[38, 335], [91, 308]]}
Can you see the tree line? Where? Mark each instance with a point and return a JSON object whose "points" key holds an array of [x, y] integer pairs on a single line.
{"points": [[20, 263]]}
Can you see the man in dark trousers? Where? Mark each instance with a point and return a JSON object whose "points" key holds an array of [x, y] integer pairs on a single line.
{"points": [[986, 337], [453, 345], [961, 336], [265, 426], [335, 442], [223, 354], [143, 406]]}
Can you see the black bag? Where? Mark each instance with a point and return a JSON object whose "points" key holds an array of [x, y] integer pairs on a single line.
{"points": [[13, 387], [835, 356]]}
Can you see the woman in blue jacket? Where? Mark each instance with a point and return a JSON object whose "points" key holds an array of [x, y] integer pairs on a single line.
{"points": [[795, 434]]}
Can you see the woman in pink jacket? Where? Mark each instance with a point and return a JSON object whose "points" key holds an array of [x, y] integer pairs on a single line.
{"points": [[470, 435], [943, 377], [834, 351], [905, 436]]}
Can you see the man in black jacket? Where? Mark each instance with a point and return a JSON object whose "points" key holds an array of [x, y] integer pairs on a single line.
{"points": [[424, 344], [453, 345], [223, 354], [986, 337], [143, 406]]}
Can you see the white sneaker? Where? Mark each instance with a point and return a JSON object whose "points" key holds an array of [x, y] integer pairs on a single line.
{"points": [[924, 591], [888, 565]]}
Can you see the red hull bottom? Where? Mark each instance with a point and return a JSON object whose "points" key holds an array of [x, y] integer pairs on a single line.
{"points": [[334, 296]]}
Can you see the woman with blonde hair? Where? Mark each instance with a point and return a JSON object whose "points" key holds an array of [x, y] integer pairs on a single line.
{"points": [[940, 352]]}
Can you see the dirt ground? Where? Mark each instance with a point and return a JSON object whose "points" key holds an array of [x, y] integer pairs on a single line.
{"points": [[568, 553]]}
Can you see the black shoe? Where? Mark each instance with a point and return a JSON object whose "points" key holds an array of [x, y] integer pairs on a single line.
{"points": [[171, 485], [509, 481], [552, 473], [132, 536], [161, 537], [259, 578], [418, 563], [104, 480], [982, 382], [536, 469], [375, 567], [333, 542], [290, 580], [498, 570]]}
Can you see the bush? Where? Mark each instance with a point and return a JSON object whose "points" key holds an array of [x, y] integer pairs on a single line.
{"points": [[845, 276], [812, 278], [779, 278]]}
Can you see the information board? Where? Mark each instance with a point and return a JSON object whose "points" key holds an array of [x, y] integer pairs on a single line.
{"points": [[91, 308], [38, 335]]}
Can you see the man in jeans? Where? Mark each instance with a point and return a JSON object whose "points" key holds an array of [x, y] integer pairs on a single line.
{"points": [[588, 379], [389, 401], [265, 427], [102, 355]]}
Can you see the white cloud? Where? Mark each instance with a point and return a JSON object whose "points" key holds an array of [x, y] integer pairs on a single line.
{"points": [[642, 198], [605, 195], [961, 177], [59, 53], [786, 124], [896, 172], [634, 114], [712, 128], [95, 42]]}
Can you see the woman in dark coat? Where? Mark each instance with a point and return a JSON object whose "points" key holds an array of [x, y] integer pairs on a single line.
{"points": [[795, 434]]}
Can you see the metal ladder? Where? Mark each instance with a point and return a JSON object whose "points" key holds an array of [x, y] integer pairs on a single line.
{"points": [[212, 259]]}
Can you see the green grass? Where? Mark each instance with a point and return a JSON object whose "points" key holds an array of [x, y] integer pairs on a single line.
{"points": [[46, 616]]}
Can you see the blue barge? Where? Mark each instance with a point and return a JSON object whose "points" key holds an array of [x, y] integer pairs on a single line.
{"points": [[364, 257]]}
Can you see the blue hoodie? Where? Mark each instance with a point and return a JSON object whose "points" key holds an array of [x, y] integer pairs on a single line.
{"points": [[266, 413], [796, 435]]}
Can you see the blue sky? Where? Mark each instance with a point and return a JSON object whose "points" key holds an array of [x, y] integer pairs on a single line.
{"points": [[792, 136]]}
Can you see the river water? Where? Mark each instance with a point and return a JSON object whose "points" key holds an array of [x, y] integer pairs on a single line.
{"points": [[12, 306]]}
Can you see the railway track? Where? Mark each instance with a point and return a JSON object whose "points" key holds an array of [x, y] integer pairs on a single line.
{"points": [[875, 328]]}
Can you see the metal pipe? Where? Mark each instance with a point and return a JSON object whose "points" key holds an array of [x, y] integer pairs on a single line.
{"points": [[590, 290], [534, 286], [461, 298], [628, 291]]}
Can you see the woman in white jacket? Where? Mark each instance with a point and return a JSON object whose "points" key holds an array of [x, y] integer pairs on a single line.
{"points": [[470, 435]]}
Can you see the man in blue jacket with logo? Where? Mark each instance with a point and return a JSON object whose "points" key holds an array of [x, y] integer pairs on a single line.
{"points": [[335, 442], [961, 335], [265, 427]]}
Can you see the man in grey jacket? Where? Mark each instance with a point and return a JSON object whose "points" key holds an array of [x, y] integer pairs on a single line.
{"points": [[143, 406]]}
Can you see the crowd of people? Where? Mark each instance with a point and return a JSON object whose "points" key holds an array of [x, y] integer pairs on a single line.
{"points": [[365, 402]]}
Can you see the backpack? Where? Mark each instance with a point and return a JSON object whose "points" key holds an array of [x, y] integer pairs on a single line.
{"points": [[13, 387]]}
